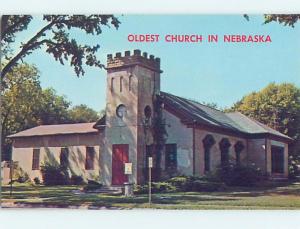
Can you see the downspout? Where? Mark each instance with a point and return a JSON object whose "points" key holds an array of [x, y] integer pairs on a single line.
{"points": [[247, 151], [266, 156], [1, 112], [194, 153]]}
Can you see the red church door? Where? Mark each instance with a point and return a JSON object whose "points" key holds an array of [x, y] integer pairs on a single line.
{"points": [[119, 158]]}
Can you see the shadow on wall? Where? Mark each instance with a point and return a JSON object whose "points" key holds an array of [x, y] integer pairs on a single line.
{"points": [[50, 157]]}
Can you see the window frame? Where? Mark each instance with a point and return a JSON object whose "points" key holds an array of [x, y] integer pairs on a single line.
{"points": [[121, 84], [36, 159], [90, 159], [66, 164], [169, 167]]}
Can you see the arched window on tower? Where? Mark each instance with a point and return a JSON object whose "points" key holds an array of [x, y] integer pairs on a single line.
{"points": [[121, 83], [208, 142], [130, 83], [112, 84]]}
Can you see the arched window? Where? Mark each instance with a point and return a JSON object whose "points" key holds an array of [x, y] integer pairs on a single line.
{"points": [[148, 111], [112, 84], [121, 83], [130, 83], [238, 148], [208, 142], [224, 148]]}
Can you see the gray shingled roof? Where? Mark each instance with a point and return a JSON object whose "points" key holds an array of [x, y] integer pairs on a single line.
{"points": [[194, 112], [78, 128], [190, 112]]}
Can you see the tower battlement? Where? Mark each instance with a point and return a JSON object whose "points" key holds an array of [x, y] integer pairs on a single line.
{"points": [[137, 58]]}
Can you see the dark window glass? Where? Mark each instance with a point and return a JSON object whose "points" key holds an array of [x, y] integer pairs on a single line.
{"points": [[148, 111], [206, 159], [224, 147], [130, 83], [121, 84], [277, 158], [208, 142], [112, 84], [238, 147], [89, 159], [171, 157], [36, 159], [64, 157]]}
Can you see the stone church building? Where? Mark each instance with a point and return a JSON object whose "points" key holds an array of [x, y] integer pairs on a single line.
{"points": [[196, 138]]}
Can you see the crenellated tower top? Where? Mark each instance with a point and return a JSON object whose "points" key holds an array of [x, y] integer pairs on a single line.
{"points": [[137, 58]]}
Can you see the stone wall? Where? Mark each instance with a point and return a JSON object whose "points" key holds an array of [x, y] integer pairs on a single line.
{"points": [[182, 136], [215, 152], [257, 153]]}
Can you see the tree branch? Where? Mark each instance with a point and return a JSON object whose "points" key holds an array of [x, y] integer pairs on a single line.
{"points": [[28, 46]]}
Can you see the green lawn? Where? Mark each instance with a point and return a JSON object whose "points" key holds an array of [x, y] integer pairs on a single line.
{"points": [[275, 197]]}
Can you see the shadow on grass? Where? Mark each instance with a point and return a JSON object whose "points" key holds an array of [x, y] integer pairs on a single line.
{"points": [[64, 197]]}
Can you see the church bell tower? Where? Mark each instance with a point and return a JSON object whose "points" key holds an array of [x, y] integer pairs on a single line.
{"points": [[133, 81]]}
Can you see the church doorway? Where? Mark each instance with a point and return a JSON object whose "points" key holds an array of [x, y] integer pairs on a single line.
{"points": [[119, 158]]}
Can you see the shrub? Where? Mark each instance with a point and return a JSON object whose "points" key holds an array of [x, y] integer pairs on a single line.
{"points": [[158, 187], [140, 189], [206, 186], [92, 185], [37, 181], [239, 175], [20, 176], [54, 175], [76, 180], [294, 167], [182, 183]]}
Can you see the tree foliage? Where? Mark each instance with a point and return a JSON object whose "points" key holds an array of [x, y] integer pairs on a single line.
{"points": [[25, 105], [278, 106], [82, 113], [55, 37], [285, 19]]}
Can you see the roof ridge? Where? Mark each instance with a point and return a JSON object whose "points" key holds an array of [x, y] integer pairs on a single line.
{"points": [[59, 124], [265, 127], [191, 100]]}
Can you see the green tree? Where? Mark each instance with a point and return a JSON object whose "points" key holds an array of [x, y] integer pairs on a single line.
{"points": [[21, 90], [285, 19], [82, 113], [25, 104], [277, 106], [53, 108], [55, 37]]}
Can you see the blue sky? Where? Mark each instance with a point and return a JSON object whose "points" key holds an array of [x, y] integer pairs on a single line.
{"points": [[211, 72]]}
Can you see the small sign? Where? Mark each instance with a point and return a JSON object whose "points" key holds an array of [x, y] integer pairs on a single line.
{"points": [[150, 162], [128, 168]]}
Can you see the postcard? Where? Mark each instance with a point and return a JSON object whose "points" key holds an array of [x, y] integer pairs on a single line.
{"points": [[150, 111]]}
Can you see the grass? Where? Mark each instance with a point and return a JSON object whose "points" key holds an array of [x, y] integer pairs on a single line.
{"points": [[286, 196]]}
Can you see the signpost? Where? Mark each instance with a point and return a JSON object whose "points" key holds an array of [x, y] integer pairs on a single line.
{"points": [[128, 185], [11, 168], [128, 168], [150, 165], [12, 165]]}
